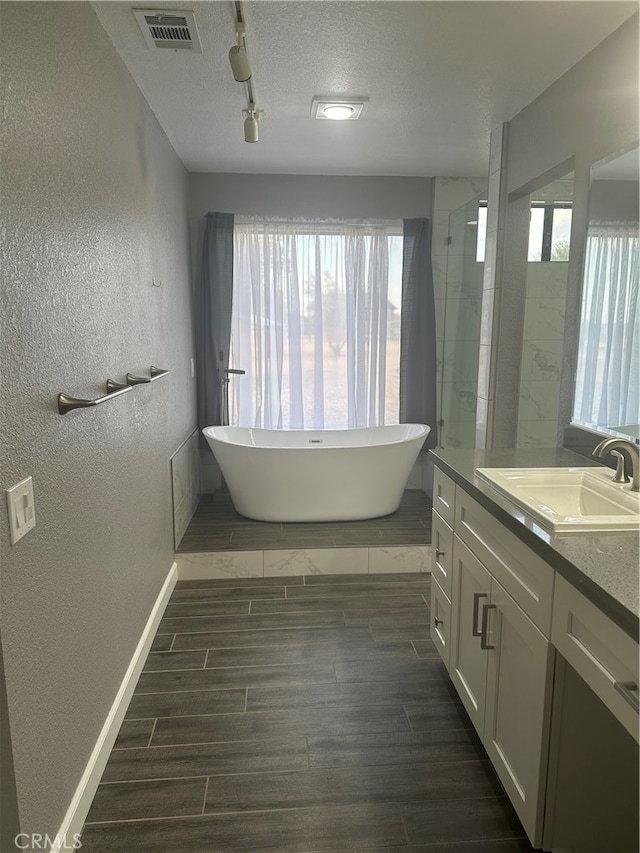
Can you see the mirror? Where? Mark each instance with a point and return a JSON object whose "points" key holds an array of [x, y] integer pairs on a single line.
{"points": [[607, 387], [550, 209]]}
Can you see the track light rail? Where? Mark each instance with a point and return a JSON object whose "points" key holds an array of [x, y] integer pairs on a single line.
{"points": [[241, 69]]}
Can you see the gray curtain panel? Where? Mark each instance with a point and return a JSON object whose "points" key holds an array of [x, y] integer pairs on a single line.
{"points": [[418, 331], [213, 307]]}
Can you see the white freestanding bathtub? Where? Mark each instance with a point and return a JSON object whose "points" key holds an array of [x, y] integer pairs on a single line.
{"points": [[316, 475]]}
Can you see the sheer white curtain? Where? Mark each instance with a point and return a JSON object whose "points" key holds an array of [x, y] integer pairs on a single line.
{"points": [[608, 380], [315, 323]]}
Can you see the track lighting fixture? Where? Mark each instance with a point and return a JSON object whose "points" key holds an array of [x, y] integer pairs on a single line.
{"points": [[239, 62], [251, 123], [238, 58]]}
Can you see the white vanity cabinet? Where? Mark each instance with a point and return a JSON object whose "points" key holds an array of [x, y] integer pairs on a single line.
{"points": [[501, 666], [500, 613]]}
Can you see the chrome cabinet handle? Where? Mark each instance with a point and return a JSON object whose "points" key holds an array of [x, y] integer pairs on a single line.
{"points": [[476, 606], [629, 692], [484, 643]]}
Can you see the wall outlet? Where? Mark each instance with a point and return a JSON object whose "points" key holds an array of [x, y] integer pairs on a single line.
{"points": [[21, 509]]}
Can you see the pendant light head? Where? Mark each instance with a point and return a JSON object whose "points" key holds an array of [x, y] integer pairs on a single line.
{"points": [[238, 58], [251, 129], [252, 114], [239, 62]]}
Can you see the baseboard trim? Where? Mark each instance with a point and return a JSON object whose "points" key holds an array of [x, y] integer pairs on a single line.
{"points": [[85, 792]]}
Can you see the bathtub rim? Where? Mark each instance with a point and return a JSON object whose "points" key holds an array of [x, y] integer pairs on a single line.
{"points": [[209, 433]]}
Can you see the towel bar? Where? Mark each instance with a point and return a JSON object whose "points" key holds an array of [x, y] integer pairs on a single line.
{"points": [[114, 389], [67, 403]]}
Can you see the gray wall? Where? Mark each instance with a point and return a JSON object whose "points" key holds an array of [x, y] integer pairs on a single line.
{"points": [[9, 824], [313, 196], [310, 196], [614, 201], [95, 203], [587, 114]]}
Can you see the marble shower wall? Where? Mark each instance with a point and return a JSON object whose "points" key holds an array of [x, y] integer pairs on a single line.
{"points": [[543, 337], [458, 295], [542, 346]]}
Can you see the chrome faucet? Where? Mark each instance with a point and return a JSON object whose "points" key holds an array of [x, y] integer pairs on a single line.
{"points": [[611, 444]]}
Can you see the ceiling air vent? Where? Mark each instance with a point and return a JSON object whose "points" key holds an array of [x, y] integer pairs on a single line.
{"points": [[168, 30]]}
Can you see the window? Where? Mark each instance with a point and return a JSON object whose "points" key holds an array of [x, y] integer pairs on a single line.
{"points": [[607, 392], [316, 324], [549, 231]]}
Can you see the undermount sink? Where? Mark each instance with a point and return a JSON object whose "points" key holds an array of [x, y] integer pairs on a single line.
{"points": [[568, 499]]}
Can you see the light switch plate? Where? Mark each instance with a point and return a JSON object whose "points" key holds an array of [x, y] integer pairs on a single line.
{"points": [[21, 509]]}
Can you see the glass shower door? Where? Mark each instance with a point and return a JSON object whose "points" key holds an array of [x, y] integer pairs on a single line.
{"points": [[461, 325]]}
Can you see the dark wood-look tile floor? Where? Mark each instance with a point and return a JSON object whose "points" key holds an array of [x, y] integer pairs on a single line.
{"points": [[216, 526], [299, 715]]}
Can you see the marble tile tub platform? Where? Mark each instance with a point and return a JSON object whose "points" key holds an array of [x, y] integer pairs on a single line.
{"points": [[221, 543]]}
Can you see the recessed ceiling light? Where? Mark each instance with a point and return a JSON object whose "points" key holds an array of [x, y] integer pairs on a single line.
{"points": [[338, 112], [338, 109]]}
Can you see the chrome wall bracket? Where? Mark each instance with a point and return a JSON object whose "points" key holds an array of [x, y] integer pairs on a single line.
{"points": [[114, 389], [67, 403], [154, 373]]}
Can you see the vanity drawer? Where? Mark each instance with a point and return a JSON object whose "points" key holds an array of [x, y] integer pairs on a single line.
{"points": [[444, 496], [600, 652], [440, 628], [442, 552], [524, 575]]}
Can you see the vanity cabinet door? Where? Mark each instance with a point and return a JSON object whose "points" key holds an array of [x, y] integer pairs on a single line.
{"points": [[471, 587], [444, 496], [440, 627], [442, 552], [518, 706]]}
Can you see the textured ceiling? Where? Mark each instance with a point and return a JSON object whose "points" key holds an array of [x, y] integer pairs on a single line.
{"points": [[439, 75]]}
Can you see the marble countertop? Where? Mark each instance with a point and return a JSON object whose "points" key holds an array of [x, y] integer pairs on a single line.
{"points": [[603, 566]]}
